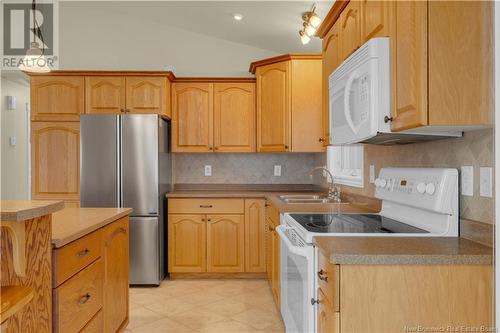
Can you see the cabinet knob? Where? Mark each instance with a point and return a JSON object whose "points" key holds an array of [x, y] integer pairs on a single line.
{"points": [[209, 220], [84, 299], [83, 253], [314, 301], [211, 148], [321, 140], [321, 277], [216, 148], [206, 206], [286, 147], [387, 119]]}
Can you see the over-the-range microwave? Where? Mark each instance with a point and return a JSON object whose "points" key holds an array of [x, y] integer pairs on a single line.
{"points": [[360, 100]]}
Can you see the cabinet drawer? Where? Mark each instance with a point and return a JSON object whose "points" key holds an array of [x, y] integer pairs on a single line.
{"points": [[206, 206], [71, 258], [95, 325], [328, 281], [78, 299]]}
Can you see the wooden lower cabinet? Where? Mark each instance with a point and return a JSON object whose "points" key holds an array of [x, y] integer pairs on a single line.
{"points": [[228, 238], [388, 298], [91, 285], [116, 280], [273, 252], [225, 243]]}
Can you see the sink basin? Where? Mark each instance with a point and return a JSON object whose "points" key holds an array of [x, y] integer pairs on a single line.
{"points": [[306, 199]]}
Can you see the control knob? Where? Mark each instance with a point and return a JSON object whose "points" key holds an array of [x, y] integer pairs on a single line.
{"points": [[421, 187], [430, 188]]}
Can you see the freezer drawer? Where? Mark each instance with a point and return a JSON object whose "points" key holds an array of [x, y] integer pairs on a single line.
{"points": [[144, 250]]}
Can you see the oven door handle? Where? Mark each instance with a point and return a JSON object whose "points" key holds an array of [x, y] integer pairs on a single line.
{"points": [[300, 251]]}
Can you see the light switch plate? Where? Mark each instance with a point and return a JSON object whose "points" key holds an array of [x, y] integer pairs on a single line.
{"points": [[372, 173], [277, 170], [208, 170], [467, 180], [486, 182]]}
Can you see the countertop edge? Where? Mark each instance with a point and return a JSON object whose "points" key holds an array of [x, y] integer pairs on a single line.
{"points": [[58, 243], [408, 259], [32, 213]]}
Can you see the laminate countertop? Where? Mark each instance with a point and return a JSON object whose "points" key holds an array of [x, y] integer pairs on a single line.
{"points": [[403, 251], [352, 204], [70, 224], [20, 210]]}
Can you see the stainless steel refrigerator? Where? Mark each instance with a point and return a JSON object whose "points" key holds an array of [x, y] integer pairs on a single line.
{"points": [[125, 161]]}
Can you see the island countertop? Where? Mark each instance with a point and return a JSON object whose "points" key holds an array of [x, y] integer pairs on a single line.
{"points": [[70, 224], [403, 251], [20, 210]]}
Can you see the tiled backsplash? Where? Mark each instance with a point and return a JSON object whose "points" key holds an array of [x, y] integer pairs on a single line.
{"points": [[243, 168], [475, 148]]}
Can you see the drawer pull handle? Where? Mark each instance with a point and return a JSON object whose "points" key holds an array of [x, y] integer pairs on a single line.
{"points": [[206, 206], [321, 277], [270, 228], [84, 299], [83, 253], [314, 301]]}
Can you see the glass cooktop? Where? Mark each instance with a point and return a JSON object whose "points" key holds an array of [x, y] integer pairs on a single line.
{"points": [[353, 223]]}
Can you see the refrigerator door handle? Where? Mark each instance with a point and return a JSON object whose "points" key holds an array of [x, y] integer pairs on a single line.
{"points": [[119, 191]]}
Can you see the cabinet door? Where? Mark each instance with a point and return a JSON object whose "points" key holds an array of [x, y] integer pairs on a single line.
{"points": [[410, 108], [116, 277], [192, 117], [187, 243], [225, 243], [276, 285], [328, 320], [234, 117], [269, 251], [255, 235], [57, 98], [331, 60], [146, 94], [350, 29], [306, 105], [375, 19], [273, 107], [55, 160], [104, 94]]}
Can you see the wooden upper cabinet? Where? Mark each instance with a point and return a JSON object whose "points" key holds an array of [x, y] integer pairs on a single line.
{"points": [[273, 107], [234, 117], [410, 109], [57, 98], [255, 235], [104, 94], [350, 29], [116, 275], [376, 19], [192, 117], [331, 60], [307, 105], [460, 63], [225, 243], [146, 94], [55, 158], [187, 245]]}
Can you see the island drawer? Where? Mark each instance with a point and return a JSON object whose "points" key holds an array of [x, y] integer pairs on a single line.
{"points": [[73, 257], [328, 280], [77, 300], [206, 206]]}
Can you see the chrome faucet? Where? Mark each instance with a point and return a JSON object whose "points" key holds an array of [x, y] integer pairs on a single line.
{"points": [[333, 190]]}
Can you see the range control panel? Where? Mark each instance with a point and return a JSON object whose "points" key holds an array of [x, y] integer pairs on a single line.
{"points": [[434, 189]]}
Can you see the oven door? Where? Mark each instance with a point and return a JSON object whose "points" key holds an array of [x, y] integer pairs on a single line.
{"points": [[297, 282]]}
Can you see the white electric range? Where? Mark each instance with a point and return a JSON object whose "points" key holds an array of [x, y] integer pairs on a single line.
{"points": [[416, 202]]}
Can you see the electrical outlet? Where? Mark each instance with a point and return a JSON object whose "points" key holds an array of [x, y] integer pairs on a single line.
{"points": [[277, 170], [486, 182], [467, 180], [372, 173], [208, 170]]}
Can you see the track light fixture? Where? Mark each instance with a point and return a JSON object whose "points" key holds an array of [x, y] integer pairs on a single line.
{"points": [[311, 23]]}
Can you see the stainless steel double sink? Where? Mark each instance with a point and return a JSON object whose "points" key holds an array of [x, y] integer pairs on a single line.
{"points": [[306, 198]]}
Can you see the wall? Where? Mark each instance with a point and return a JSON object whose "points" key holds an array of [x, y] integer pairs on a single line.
{"points": [[100, 37], [243, 168], [14, 160], [475, 148]]}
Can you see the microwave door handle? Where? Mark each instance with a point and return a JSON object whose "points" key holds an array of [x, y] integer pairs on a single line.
{"points": [[347, 104], [300, 251]]}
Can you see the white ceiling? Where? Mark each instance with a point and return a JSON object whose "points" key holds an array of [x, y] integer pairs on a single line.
{"points": [[270, 25]]}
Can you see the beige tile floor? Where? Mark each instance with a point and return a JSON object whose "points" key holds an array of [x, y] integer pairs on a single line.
{"points": [[219, 306]]}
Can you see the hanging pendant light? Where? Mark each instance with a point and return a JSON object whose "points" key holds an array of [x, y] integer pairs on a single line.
{"points": [[34, 61], [310, 25], [304, 38]]}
